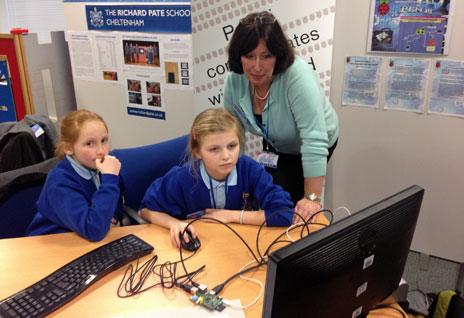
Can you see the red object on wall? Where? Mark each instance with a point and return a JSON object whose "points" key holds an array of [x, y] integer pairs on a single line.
{"points": [[7, 47]]}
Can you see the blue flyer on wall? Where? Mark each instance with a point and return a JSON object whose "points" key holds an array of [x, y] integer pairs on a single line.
{"points": [[409, 26], [7, 109], [139, 18]]}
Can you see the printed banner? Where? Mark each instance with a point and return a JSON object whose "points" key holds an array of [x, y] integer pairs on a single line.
{"points": [[139, 18], [309, 26]]}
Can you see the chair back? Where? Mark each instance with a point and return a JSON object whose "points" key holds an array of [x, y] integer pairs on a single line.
{"points": [[19, 191], [140, 166]]}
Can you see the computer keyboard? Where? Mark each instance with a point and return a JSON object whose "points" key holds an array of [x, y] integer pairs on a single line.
{"points": [[67, 282]]}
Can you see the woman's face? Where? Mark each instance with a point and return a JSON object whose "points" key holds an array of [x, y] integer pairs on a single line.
{"points": [[258, 65]]}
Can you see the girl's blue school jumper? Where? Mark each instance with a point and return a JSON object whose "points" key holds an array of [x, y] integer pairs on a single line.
{"points": [[182, 191], [69, 202]]}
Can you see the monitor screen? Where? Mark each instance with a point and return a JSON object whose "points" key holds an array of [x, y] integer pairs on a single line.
{"points": [[345, 269]]}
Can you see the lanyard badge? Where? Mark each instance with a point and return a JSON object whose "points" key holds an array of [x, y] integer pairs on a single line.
{"points": [[268, 159]]}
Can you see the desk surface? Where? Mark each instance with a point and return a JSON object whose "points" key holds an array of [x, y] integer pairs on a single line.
{"points": [[26, 260]]}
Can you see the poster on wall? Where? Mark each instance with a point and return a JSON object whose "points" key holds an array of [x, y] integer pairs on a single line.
{"points": [[82, 56], [406, 83], [448, 89], [361, 82], [410, 26], [145, 64]]}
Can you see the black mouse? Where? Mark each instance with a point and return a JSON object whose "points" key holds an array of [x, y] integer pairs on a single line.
{"points": [[192, 245]]}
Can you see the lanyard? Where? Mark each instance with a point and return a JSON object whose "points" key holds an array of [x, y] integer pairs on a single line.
{"points": [[265, 130], [212, 192]]}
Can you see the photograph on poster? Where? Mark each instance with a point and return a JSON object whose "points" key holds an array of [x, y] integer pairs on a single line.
{"points": [[144, 53], [410, 26], [172, 72], [134, 85], [110, 76], [184, 65], [135, 98], [184, 73], [185, 81], [153, 87], [154, 100]]}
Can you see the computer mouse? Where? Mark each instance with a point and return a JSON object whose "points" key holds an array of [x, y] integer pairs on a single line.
{"points": [[192, 245]]}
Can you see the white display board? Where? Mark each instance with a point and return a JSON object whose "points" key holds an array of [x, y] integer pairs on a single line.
{"points": [[132, 64], [107, 84]]}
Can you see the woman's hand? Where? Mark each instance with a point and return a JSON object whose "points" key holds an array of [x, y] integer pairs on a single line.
{"points": [[222, 215], [306, 208], [109, 165], [176, 228]]}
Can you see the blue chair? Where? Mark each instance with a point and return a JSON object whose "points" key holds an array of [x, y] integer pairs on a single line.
{"points": [[140, 166], [19, 191]]}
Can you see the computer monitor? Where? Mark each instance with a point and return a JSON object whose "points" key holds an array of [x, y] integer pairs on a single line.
{"points": [[345, 269]]}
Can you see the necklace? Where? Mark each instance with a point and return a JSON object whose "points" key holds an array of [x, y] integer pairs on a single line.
{"points": [[255, 93]]}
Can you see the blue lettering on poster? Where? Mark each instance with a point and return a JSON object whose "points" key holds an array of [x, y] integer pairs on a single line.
{"points": [[410, 26], [146, 113], [7, 109], [139, 18]]}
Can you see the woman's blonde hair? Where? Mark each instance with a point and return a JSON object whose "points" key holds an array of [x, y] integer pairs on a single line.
{"points": [[71, 126], [211, 121]]}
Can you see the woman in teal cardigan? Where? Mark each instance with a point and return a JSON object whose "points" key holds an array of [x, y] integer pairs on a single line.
{"points": [[278, 96]]}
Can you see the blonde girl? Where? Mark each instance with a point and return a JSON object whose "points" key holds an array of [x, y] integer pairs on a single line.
{"points": [[218, 182]]}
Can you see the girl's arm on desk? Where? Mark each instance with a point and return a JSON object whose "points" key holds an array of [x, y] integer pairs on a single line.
{"points": [[236, 216], [174, 225]]}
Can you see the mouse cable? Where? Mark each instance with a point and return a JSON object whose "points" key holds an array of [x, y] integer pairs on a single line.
{"points": [[135, 278], [226, 225]]}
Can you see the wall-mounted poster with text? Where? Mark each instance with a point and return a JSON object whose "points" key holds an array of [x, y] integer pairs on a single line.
{"points": [[410, 26]]}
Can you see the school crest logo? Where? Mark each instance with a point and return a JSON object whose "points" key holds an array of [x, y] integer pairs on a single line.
{"points": [[96, 18]]}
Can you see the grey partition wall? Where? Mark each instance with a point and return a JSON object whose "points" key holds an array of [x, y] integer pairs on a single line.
{"points": [[50, 75], [383, 151]]}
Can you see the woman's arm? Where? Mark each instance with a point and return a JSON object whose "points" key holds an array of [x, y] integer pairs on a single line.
{"points": [[305, 207]]}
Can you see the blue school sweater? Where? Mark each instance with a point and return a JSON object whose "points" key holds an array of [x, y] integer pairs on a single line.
{"points": [[69, 202], [182, 191]]}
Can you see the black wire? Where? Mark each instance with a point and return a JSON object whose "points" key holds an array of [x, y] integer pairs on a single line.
{"points": [[277, 240], [226, 225], [135, 277], [312, 217], [168, 271]]}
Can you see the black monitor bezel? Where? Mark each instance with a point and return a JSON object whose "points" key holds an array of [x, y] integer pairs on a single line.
{"points": [[318, 240]]}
